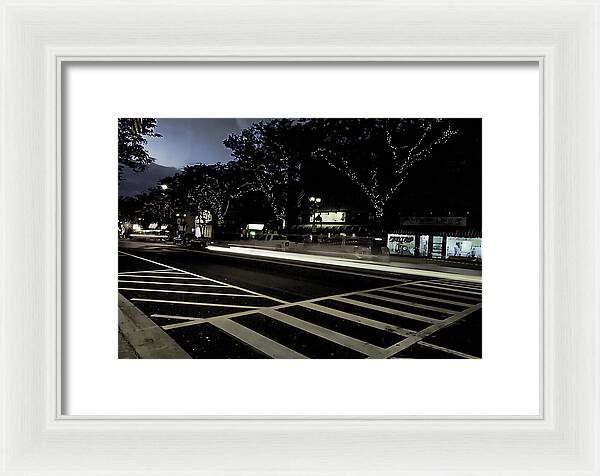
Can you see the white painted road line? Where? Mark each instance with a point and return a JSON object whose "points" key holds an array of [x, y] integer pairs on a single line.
{"points": [[191, 292], [388, 310], [359, 319], [281, 306], [448, 288], [476, 286], [446, 293], [419, 336], [187, 278], [174, 284], [184, 318], [257, 341], [427, 298], [333, 336], [168, 271], [203, 277], [458, 286], [448, 351], [193, 303], [141, 271], [408, 303], [201, 320]]}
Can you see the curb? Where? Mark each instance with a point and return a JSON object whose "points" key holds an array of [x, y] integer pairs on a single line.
{"points": [[147, 339]]}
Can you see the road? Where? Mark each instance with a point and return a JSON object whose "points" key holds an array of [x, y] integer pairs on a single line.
{"points": [[220, 305]]}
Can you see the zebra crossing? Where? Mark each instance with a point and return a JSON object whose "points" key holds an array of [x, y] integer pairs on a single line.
{"points": [[427, 318]]}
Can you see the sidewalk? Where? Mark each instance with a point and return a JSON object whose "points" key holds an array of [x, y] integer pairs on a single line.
{"points": [[141, 338], [126, 351]]}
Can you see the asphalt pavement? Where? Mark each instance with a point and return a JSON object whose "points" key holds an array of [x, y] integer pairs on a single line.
{"points": [[220, 305]]}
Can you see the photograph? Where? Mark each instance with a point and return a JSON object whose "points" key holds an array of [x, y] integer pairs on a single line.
{"points": [[299, 238]]}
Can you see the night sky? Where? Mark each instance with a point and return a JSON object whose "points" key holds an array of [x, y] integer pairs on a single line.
{"points": [[189, 141]]}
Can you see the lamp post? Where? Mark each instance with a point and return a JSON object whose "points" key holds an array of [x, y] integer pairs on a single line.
{"points": [[172, 221], [315, 202]]}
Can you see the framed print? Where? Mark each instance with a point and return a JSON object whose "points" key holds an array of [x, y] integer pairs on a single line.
{"points": [[306, 238], [193, 293]]}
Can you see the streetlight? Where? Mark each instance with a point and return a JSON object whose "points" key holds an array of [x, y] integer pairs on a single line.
{"points": [[314, 203], [173, 221]]}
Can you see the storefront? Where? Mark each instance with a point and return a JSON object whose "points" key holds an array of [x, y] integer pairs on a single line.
{"points": [[459, 245], [252, 230], [203, 225]]}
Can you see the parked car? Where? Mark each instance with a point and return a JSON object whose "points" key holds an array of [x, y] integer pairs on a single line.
{"points": [[274, 239], [270, 240]]}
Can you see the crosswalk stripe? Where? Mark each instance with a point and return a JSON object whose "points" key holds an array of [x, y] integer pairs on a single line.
{"points": [[141, 271], [257, 341], [190, 292], [279, 306], [388, 310], [165, 277], [184, 318], [447, 288], [192, 303], [173, 284], [458, 285], [448, 351], [447, 293], [408, 303], [168, 271], [419, 336], [359, 319], [200, 320], [209, 279], [365, 348], [427, 298]]}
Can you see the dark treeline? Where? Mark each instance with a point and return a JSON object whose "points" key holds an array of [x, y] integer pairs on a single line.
{"points": [[385, 168]]}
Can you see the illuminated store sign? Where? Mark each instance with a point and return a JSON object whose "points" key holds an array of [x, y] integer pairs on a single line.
{"points": [[434, 221], [329, 217], [401, 245], [256, 226]]}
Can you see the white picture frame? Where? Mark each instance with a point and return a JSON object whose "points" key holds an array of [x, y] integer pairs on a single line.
{"points": [[39, 37]]}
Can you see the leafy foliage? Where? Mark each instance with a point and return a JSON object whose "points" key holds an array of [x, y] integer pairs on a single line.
{"points": [[377, 155], [269, 156], [213, 187], [132, 142]]}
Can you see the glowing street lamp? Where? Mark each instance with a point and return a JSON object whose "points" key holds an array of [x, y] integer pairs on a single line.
{"points": [[314, 203], [164, 187]]}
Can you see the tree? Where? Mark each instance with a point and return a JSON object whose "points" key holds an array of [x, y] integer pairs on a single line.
{"points": [[129, 208], [377, 155], [213, 187], [132, 142], [156, 207], [269, 154]]}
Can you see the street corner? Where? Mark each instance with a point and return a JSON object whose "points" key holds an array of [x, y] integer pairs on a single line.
{"points": [[140, 337]]}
